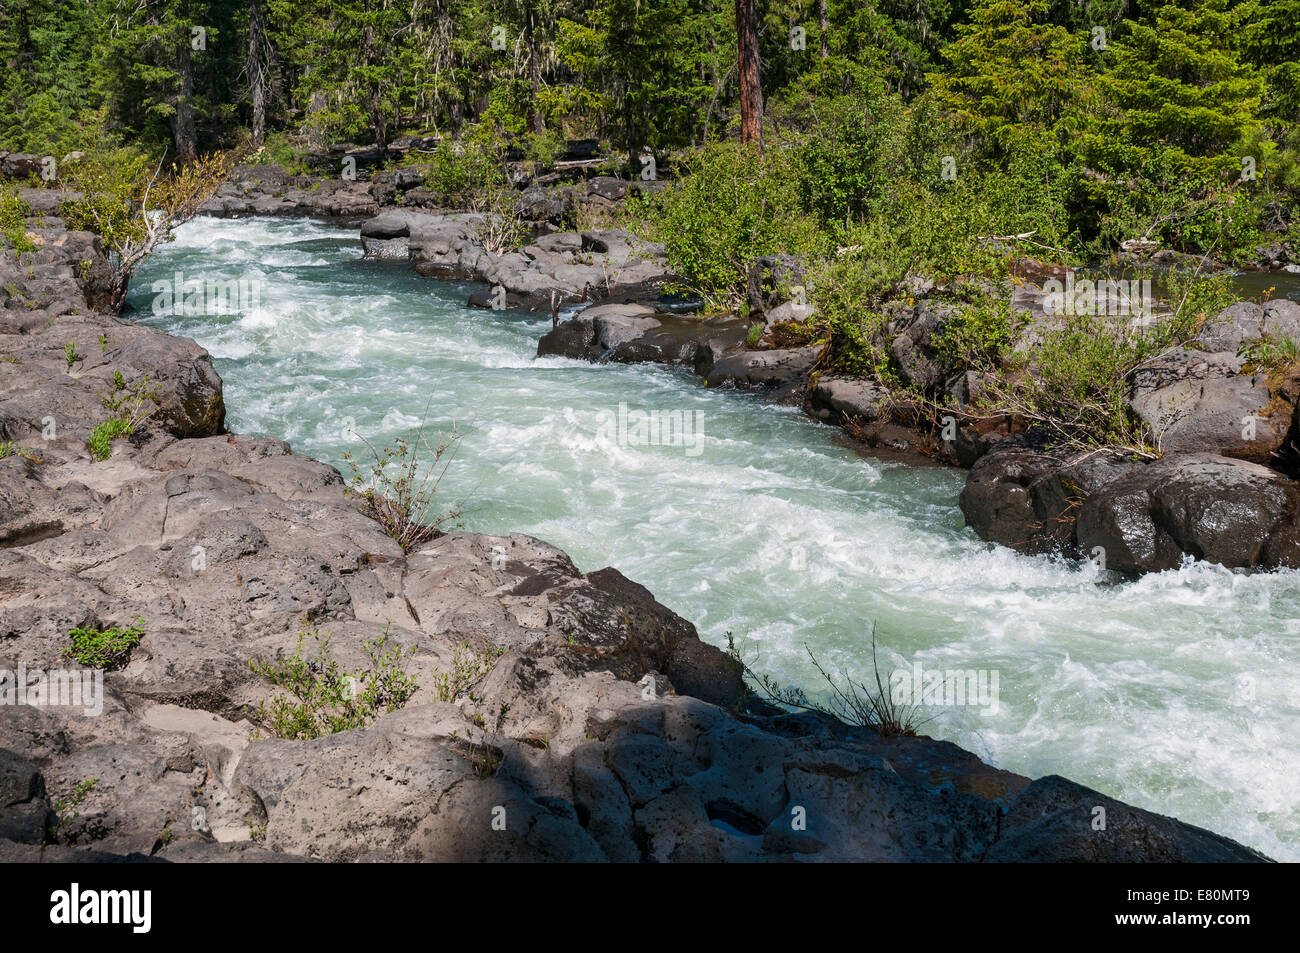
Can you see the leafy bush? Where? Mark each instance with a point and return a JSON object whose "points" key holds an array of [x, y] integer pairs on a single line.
{"points": [[735, 205], [13, 211], [108, 649], [279, 150], [323, 699], [1074, 385], [848, 163], [130, 408], [468, 171], [850, 295], [980, 337]]}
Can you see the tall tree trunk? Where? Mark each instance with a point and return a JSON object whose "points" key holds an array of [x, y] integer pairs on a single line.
{"points": [[822, 12], [750, 90], [374, 98], [257, 69], [751, 93], [182, 121], [633, 132], [535, 122]]}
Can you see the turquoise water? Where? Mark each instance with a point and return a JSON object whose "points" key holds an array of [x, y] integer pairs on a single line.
{"points": [[1179, 692]]}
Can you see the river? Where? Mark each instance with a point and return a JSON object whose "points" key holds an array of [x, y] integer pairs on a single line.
{"points": [[1178, 692]]}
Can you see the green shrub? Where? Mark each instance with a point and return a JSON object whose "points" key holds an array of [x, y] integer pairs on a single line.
{"points": [[733, 206], [468, 171], [322, 699], [850, 295], [13, 212], [1074, 386], [279, 150], [130, 408], [108, 649], [979, 337]]}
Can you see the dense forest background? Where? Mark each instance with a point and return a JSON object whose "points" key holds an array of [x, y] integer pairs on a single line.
{"points": [[880, 143], [1088, 122]]}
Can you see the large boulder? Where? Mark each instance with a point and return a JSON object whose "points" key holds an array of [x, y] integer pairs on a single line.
{"points": [[19, 165], [857, 398], [915, 349], [1245, 321], [1028, 499], [781, 368], [1197, 400], [1230, 327], [770, 278], [1221, 510], [1055, 821]]}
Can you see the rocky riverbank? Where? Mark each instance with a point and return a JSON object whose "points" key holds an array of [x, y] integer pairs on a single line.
{"points": [[557, 715], [1224, 489]]}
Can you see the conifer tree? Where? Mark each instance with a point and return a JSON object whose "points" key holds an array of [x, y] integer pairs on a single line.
{"points": [[1012, 77], [1182, 97]]}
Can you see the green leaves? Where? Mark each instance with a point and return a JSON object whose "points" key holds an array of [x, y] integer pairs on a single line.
{"points": [[108, 649], [322, 699]]}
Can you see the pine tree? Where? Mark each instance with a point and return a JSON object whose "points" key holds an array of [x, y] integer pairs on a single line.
{"points": [[1272, 42], [1013, 78], [1182, 97]]}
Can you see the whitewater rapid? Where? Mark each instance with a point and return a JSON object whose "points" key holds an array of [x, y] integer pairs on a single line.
{"points": [[1178, 692]]}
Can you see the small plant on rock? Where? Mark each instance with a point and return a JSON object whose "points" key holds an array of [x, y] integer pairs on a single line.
{"points": [[108, 649], [1269, 352], [323, 699], [130, 407], [397, 486], [467, 667], [854, 703], [65, 809]]}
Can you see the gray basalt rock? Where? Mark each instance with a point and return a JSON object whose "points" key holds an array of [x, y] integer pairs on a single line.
{"points": [[1230, 327], [914, 346], [1029, 500], [774, 368], [1202, 401], [553, 271], [1053, 821], [854, 397]]}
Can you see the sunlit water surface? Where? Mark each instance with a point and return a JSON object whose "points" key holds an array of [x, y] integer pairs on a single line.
{"points": [[1179, 692]]}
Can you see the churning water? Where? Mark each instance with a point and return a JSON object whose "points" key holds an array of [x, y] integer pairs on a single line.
{"points": [[1178, 692]]}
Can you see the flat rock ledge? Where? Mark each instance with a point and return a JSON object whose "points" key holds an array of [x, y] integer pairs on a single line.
{"points": [[604, 728], [553, 271]]}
